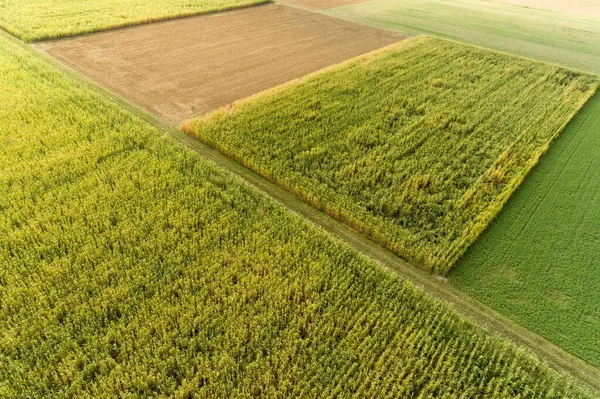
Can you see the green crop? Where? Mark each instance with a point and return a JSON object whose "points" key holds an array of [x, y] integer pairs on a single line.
{"points": [[418, 145], [131, 267], [33, 20]]}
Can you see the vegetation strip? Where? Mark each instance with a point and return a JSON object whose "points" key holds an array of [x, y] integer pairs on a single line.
{"points": [[35, 20], [418, 146], [558, 358], [133, 266]]}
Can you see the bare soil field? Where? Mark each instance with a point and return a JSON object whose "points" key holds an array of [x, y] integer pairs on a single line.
{"points": [[321, 4], [187, 67]]}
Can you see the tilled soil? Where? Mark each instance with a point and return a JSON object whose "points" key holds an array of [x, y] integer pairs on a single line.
{"points": [[184, 68]]}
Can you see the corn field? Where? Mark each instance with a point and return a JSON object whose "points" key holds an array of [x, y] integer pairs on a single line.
{"points": [[133, 268], [418, 145]]}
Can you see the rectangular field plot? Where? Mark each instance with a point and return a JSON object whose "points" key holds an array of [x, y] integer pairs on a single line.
{"points": [[418, 145], [33, 20], [184, 68]]}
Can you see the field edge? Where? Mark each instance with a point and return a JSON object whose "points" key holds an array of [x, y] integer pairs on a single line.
{"points": [[491, 213], [82, 32]]}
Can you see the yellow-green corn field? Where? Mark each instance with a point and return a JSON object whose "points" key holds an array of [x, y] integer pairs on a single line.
{"points": [[130, 267]]}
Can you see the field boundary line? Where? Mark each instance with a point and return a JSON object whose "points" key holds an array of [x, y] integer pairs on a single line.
{"points": [[134, 24], [435, 285]]}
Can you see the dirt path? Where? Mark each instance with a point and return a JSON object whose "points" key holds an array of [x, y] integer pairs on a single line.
{"points": [[187, 67], [321, 4]]}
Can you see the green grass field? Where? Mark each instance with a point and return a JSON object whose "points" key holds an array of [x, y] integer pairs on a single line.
{"points": [[33, 20], [418, 145], [568, 40], [538, 262], [133, 268]]}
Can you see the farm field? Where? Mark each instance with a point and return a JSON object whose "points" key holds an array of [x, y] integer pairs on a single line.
{"points": [[33, 20], [538, 261], [185, 68], [571, 40], [382, 143], [133, 267]]}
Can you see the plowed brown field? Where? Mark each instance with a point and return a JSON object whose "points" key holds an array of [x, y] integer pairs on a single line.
{"points": [[187, 67]]}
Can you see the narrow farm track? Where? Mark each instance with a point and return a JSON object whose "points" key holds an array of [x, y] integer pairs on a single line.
{"points": [[320, 4], [556, 357]]}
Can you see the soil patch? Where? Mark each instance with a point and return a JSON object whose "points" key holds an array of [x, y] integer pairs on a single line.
{"points": [[187, 67]]}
